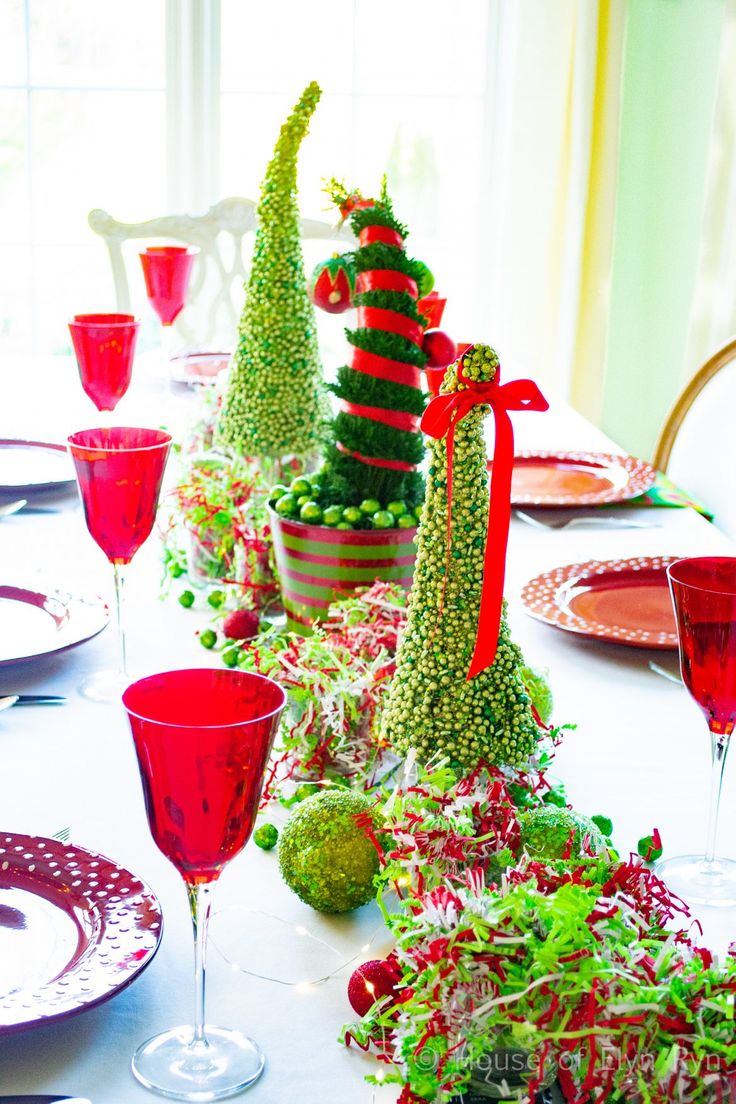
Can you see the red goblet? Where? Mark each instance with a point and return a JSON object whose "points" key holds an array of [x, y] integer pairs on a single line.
{"points": [[119, 473], [104, 345], [166, 270], [203, 738], [704, 596]]}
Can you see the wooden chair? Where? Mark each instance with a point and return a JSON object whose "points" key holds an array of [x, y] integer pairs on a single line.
{"points": [[695, 445], [222, 234]]}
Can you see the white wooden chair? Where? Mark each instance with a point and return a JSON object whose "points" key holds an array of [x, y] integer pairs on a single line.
{"points": [[224, 236], [695, 445]]}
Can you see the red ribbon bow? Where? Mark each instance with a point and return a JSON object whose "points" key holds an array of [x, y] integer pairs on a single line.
{"points": [[439, 420]]}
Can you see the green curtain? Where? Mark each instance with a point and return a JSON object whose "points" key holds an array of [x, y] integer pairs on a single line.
{"points": [[670, 69]]}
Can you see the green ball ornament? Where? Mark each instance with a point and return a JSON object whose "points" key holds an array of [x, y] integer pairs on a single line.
{"points": [[325, 857], [370, 506], [278, 491], [397, 508], [266, 837], [548, 833], [383, 519], [343, 525], [287, 506], [540, 692], [300, 486], [406, 521], [352, 514], [424, 278], [332, 515], [303, 500], [311, 511]]}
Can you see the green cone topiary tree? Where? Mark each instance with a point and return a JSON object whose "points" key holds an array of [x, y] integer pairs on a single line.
{"points": [[377, 445], [276, 405], [432, 707]]}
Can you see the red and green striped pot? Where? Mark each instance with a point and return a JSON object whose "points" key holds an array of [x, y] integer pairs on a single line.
{"points": [[317, 564]]}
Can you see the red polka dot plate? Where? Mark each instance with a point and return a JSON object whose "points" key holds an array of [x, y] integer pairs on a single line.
{"points": [[620, 601], [577, 478], [75, 928]]}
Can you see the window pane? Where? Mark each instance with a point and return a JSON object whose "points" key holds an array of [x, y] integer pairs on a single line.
{"points": [[15, 300], [14, 217], [68, 280], [12, 42], [325, 151], [94, 149], [432, 48], [86, 42], [283, 45]]}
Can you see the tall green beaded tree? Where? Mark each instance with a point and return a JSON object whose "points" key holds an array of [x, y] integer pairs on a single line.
{"points": [[276, 405], [432, 707]]}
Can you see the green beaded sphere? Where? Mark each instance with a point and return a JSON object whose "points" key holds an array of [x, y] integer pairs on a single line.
{"points": [[324, 856]]}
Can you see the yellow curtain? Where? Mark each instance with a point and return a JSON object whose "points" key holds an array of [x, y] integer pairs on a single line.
{"points": [[589, 350]]}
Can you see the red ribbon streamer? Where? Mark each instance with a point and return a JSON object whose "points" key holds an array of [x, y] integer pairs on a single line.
{"points": [[381, 367], [377, 461], [376, 318], [386, 279], [383, 234], [397, 419], [439, 420]]}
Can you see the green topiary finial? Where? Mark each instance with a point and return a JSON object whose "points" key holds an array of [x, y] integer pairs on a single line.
{"points": [[276, 405], [432, 707]]}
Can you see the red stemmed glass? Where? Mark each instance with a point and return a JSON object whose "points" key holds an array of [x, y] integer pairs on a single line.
{"points": [[704, 596], [119, 473], [166, 271], [203, 738], [104, 345]]}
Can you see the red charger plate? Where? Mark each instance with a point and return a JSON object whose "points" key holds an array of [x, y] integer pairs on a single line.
{"points": [[577, 478], [620, 601], [75, 929]]}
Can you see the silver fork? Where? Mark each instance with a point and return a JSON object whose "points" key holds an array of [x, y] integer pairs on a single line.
{"points": [[585, 522]]}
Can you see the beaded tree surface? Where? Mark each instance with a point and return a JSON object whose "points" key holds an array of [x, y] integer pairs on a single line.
{"points": [[377, 445], [276, 405], [432, 706]]}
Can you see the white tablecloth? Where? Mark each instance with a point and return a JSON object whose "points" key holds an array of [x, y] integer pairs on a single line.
{"points": [[639, 754]]}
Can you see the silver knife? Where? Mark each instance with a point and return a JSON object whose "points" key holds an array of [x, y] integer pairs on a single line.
{"points": [[39, 699], [21, 1099]]}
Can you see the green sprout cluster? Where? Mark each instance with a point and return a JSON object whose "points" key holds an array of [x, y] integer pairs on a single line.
{"points": [[301, 500], [276, 404], [432, 707]]}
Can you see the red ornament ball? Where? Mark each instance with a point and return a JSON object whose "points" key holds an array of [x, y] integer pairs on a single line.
{"points": [[439, 348], [371, 981], [332, 285], [241, 624]]}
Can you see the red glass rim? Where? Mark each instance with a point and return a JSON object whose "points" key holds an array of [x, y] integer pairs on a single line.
{"points": [[169, 251], [710, 574], [104, 320], [106, 439], [191, 681]]}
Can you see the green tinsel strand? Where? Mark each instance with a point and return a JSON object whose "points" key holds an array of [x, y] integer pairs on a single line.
{"points": [[276, 403], [432, 707]]}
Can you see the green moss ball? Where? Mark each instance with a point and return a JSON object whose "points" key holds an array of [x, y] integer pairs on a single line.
{"points": [[324, 856], [546, 830]]}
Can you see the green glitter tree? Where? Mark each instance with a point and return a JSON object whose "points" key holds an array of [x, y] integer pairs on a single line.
{"points": [[276, 405], [432, 707]]}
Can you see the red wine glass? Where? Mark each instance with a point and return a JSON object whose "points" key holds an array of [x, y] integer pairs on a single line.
{"points": [[119, 473], [104, 345], [203, 738], [166, 271], [704, 596]]}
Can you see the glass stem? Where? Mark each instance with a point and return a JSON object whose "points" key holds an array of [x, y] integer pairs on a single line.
{"points": [[720, 742], [119, 576], [200, 906]]}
